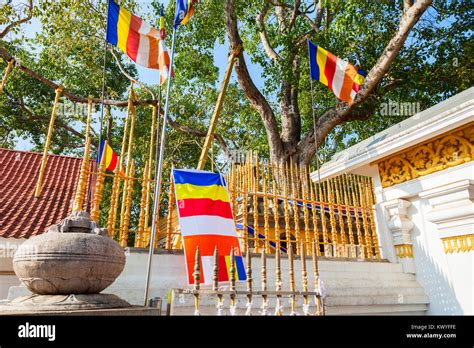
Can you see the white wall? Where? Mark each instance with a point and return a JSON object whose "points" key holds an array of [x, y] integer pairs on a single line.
{"points": [[433, 271], [8, 247], [447, 278]]}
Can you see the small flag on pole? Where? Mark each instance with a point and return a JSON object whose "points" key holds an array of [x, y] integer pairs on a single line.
{"points": [[206, 220], [341, 77], [111, 159], [162, 24], [184, 12]]}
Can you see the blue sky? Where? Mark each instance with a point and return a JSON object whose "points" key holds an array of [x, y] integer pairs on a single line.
{"points": [[145, 75]]}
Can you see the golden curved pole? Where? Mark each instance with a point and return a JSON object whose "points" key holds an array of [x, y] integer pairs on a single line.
{"points": [[48, 141], [217, 109], [82, 182], [8, 69]]}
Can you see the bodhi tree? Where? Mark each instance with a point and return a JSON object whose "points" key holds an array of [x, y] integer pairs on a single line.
{"points": [[371, 33], [414, 51]]}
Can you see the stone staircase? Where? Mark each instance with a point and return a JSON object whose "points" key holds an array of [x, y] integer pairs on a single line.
{"points": [[352, 287], [364, 287]]}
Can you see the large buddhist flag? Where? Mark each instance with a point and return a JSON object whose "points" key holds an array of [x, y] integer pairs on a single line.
{"points": [[205, 219], [137, 39], [341, 77]]}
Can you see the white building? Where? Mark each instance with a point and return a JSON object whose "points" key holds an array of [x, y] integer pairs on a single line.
{"points": [[423, 171]]}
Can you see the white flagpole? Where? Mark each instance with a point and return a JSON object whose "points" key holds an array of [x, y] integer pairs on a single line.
{"points": [[314, 120], [158, 173]]}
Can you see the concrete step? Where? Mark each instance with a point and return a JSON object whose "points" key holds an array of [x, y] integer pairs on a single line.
{"points": [[336, 283], [412, 309], [359, 266], [392, 276], [365, 300], [375, 291]]}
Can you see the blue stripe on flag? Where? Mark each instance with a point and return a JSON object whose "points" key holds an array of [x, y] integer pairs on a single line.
{"points": [[239, 264], [112, 20], [313, 64], [101, 150], [198, 178]]}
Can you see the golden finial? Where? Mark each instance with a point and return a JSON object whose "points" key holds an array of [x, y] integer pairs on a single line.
{"points": [[141, 218], [319, 304], [197, 280], [99, 187], [304, 276]]}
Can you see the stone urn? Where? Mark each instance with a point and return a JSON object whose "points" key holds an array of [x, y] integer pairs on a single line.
{"points": [[73, 257]]}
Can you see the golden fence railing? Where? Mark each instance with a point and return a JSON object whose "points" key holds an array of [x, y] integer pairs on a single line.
{"points": [[276, 207]]}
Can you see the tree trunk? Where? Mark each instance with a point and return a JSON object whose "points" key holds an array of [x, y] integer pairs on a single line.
{"points": [[289, 143]]}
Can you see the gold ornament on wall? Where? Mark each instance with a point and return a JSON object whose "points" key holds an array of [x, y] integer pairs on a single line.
{"points": [[458, 244], [448, 150], [404, 250]]}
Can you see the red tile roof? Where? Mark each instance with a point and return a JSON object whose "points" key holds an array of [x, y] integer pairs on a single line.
{"points": [[22, 215]]}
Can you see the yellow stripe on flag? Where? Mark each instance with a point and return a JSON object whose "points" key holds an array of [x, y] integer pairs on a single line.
{"points": [[189, 13], [123, 27], [108, 155], [359, 79], [214, 192], [227, 263], [321, 57]]}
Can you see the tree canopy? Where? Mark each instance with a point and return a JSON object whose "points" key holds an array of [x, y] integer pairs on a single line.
{"points": [[63, 41]]}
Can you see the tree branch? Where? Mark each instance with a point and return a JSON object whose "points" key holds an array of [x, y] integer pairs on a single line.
{"points": [[198, 133], [344, 112], [256, 99], [19, 22], [45, 118], [5, 55], [408, 21], [296, 11], [263, 35]]}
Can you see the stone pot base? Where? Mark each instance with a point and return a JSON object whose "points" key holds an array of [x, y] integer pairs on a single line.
{"points": [[55, 303]]}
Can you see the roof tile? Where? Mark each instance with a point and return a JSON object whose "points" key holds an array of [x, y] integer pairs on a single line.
{"points": [[22, 215]]}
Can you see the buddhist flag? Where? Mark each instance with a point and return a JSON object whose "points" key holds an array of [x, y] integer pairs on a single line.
{"points": [[162, 24], [184, 12], [206, 220], [136, 38], [111, 159], [341, 77]]}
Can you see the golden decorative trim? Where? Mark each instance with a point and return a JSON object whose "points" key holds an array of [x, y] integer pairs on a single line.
{"points": [[458, 244], [404, 250], [448, 150]]}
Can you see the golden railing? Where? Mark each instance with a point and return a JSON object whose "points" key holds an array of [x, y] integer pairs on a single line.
{"points": [[274, 207], [278, 206]]}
